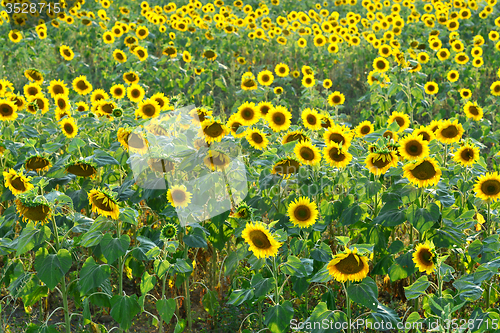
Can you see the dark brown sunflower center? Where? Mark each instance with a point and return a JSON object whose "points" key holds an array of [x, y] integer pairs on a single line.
{"points": [[336, 99], [491, 187], [400, 121], [160, 102], [414, 148], [67, 53], [119, 56], [161, 165], [350, 265], [32, 91], [306, 153], [81, 85], [61, 103], [103, 203], [209, 54], [381, 162], [496, 88], [259, 239], [141, 53], [336, 137], [235, 126], [131, 77], [148, 110], [450, 132], [247, 113], [18, 184], [424, 171], [365, 129], [264, 109], [249, 83], [431, 87], [135, 141], [81, 169], [467, 154], [302, 213], [425, 136], [295, 137], [37, 213], [265, 78], [135, 93], [214, 130], [282, 70], [286, 167], [178, 195], [118, 91], [68, 128], [336, 155], [257, 138], [461, 58], [219, 161], [36, 163], [279, 118], [311, 119], [6, 110], [380, 64], [425, 257]]}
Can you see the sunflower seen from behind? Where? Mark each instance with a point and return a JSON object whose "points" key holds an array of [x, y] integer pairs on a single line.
{"points": [[302, 212], [425, 257], [260, 240], [348, 266]]}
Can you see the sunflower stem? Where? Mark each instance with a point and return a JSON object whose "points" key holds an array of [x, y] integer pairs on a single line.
{"points": [[487, 296], [348, 306], [164, 282], [186, 289], [488, 220], [276, 283]]}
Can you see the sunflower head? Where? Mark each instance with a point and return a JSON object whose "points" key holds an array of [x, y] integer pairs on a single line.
{"points": [[487, 187], [104, 202], [178, 196], [169, 231], [243, 211], [260, 240], [81, 168], [423, 172], [425, 257], [286, 167], [33, 207], [303, 212], [38, 162], [16, 182], [348, 266]]}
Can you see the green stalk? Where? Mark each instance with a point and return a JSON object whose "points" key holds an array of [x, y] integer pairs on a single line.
{"points": [[187, 300], [348, 306], [488, 221]]}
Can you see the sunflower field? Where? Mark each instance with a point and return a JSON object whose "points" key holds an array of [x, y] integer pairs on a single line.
{"points": [[249, 166]]}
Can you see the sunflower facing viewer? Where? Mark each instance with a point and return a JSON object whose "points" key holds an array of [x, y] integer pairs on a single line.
{"points": [[302, 212], [425, 257], [348, 266], [260, 240]]}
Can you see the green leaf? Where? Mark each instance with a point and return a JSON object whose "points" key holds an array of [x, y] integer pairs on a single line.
{"points": [[161, 267], [52, 267], [124, 309], [364, 293], [390, 217], [295, 267], [210, 302], [166, 309], [322, 275], [423, 218], [240, 296], [147, 282], [182, 267], [220, 84], [417, 288], [196, 238], [92, 275], [112, 248], [31, 237], [278, 317], [402, 267], [129, 216], [467, 290], [384, 315], [261, 285], [321, 314], [101, 158]]}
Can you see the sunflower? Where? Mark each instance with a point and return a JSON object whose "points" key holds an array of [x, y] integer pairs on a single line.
{"points": [[303, 212], [402, 119], [199, 115], [210, 55], [449, 132], [234, 124], [18, 100], [467, 155], [379, 162], [364, 128], [431, 88], [286, 167], [118, 91], [37, 163], [66, 52], [465, 93], [425, 132], [162, 100], [135, 93], [348, 266], [213, 130], [247, 114], [36, 210], [278, 90], [422, 173], [453, 76], [336, 98], [8, 110], [81, 85], [34, 75], [58, 87], [216, 160], [308, 81], [311, 119], [169, 231], [338, 134], [32, 89], [248, 84], [16, 182], [148, 109], [381, 65], [178, 196], [69, 127], [279, 118], [38, 102], [307, 153], [243, 212], [282, 70], [130, 78], [487, 186], [294, 136], [425, 257], [257, 138], [495, 88], [336, 156], [264, 107], [261, 242], [132, 141], [473, 111], [81, 169], [120, 56], [265, 78], [413, 147], [62, 103], [104, 203], [15, 36]]}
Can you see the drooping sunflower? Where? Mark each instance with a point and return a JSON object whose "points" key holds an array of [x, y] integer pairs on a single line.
{"points": [[401, 119], [199, 115], [178, 196], [37, 163], [34, 75], [135, 93], [16, 182], [449, 132], [364, 128], [487, 187], [279, 118], [257, 138], [307, 153], [260, 240], [286, 167], [348, 266], [216, 160], [336, 98], [413, 147], [248, 84], [35, 209], [378, 162], [210, 55], [8, 110], [104, 203], [81, 85], [213, 130], [265, 78], [425, 257], [148, 109], [294, 136], [473, 111], [423, 173], [81, 168], [336, 156], [303, 212], [467, 155], [247, 114], [311, 119], [69, 127], [338, 134]]}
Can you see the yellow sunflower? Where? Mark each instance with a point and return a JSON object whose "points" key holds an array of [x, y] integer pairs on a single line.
{"points": [[311, 119], [264, 107], [425, 257], [81, 169], [178, 196], [425, 133], [36, 211], [348, 266], [130, 78], [16, 182], [495, 88], [338, 134], [69, 127], [135, 93], [308, 81], [216, 160], [118, 91], [234, 124], [282, 70], [379, 162], [248, 114], [401, 119], [199, 115], [449, 132], [279, 118], [38, 102], [336, 156], [261, 242], [364, 128], [8, 110], [306, 153], [104, 203], [66, 52], [431, 88], [62, 102], [286, 167], [34, 75], [148, 109], [423, 173], [81, 85], [82, 106], [336, 98], [413, 147], [467, 155], [381, 65], [487, 186], [162, 100], [257, 138], [213, 130], [294, 136], [303, 212], [473, 111], [265, 78]]}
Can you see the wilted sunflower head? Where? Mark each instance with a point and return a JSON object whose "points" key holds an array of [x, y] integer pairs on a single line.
{"points": [[81, 168], [38, 162], [33, 207]]}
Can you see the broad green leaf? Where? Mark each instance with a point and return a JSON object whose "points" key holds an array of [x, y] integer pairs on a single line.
{"points": [[210, 302], [52, 267], [31, 237], [240, 296], [402, 267], [196, 238], [262, 285], [112, 248], [166, 308], [92, 275], [278, 317], [124, 309], [182, 266], [321, 314], [147, 282], [417, 288], [295, 267], [364, 293]]}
